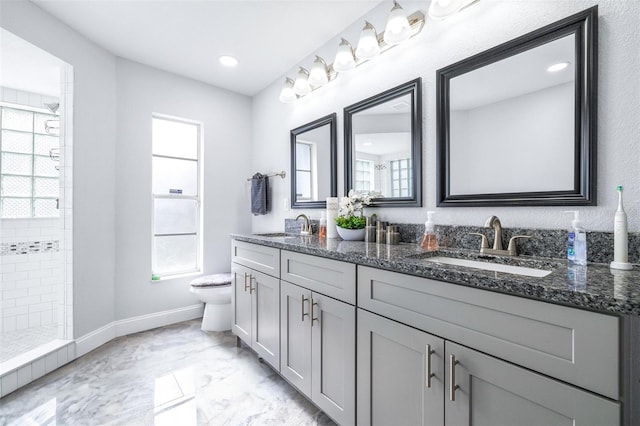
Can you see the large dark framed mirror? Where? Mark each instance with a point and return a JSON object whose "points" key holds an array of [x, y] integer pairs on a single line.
{"points": [[383, 146], [313, 163], [516, 124]]}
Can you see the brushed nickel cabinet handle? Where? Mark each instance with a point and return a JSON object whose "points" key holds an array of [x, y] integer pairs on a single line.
{"points": [[302, 305], [247, 286], [312, 312], [252, 288], [429, 373], [452, 377]]}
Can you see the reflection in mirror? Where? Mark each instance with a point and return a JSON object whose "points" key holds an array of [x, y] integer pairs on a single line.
{"points": [[383, 142], [313, 163], [517, 123]]}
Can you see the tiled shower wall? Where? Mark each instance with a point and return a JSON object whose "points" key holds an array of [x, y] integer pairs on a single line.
{"points": [[17, 374], [32, 273], [20, 97], [31, 256]]}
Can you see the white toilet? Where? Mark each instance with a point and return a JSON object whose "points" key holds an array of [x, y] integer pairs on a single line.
{"points": [[215, 292]]}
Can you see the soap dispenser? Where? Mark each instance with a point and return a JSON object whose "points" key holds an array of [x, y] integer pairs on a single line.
{"points": [[429, 239], [576, 241]]}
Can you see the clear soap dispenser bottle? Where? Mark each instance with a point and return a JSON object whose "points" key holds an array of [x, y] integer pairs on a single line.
{"points": [[429, 239], [576, 241]]}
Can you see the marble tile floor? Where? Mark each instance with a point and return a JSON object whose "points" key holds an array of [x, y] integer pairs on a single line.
{"points": [[176, 375], [14, 343]]}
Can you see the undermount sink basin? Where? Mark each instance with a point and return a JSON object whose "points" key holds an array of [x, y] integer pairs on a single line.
{"points": [[488, 266], [273, 234]]}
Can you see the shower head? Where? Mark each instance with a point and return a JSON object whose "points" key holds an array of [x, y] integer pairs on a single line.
{"points": [[53, 107]]}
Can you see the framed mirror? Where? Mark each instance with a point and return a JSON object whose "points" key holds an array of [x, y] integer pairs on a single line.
{"points": [[383, 146], [516, 124], [313, 163]]}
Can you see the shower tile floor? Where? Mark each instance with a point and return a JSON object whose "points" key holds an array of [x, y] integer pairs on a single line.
{"points": [[14, 343], [174, 375]]}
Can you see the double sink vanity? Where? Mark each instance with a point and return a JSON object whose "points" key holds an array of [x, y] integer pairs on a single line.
{"points": [[395, 335], [382, 334]]}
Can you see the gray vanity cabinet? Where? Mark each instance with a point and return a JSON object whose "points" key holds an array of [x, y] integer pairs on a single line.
{"points": [[255, 299], [318, 332], [256, 312], [530, 363], [317, 338], [483, 390], [400, 374], [295, 332]]}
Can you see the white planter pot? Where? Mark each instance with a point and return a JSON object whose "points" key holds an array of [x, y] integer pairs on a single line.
{"points": [[351, 234]]}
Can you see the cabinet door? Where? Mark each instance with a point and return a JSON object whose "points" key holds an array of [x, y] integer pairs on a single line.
{"points": [[266, 317], [394, 365], [295, 336], [494, 392], [333, 353], [241, 322]]}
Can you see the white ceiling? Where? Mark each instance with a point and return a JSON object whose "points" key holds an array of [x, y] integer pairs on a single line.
{"points": [[26, 67], [514, 76], [186, 37]]}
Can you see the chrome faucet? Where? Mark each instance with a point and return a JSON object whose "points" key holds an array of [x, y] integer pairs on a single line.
{"points": [[512, 249], [306, 226], [494, 222]]}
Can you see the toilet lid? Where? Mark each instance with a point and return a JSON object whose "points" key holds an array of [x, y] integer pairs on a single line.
{"points": [[214, 280]]}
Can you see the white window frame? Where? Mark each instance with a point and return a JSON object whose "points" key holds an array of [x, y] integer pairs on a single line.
{"points": [[155, 276], [397, 165], [313, 170], [371, 172]]}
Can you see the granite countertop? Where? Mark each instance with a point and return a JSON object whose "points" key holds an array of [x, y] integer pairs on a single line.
{"points": [[594, 287]]}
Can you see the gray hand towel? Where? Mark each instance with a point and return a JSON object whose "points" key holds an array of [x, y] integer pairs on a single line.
{"points": [[259, 194]]}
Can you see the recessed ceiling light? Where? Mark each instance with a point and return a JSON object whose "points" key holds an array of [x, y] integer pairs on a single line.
{"points": [[399, 106], [228, 61], [367, 143], [558, 67]]}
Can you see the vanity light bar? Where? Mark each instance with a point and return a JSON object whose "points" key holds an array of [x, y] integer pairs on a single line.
{"points": [[416, 23]]}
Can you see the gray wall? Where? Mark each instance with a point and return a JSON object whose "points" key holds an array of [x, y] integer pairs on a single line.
{"points": [[143, 91], [483, 25]]}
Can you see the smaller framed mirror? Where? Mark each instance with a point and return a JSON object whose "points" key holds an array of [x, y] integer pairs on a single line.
{"points": [[383, 146], [313, 163]]}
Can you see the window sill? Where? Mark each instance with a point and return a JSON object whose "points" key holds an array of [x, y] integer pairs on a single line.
{"points": [[177, 276]]}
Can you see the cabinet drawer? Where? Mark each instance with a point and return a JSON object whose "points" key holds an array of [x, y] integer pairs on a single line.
{"points": [[573, 345], [257, 257], [326, 276]]}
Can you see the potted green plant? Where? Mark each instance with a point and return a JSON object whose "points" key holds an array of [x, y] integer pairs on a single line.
{"points": [[350, 223]]}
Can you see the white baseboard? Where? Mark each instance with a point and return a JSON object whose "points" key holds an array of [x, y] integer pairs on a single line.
{"points": [[95, 339], [157, 319], [99, 337]]}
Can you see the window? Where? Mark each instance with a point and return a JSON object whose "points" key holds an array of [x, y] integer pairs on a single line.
{"points": [[305, 179], [28, 165], [177, 240], [364, 175], [401, 184]]}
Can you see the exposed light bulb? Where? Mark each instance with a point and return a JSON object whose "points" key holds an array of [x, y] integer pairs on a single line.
{"points": [[398, 28], [441, 9], [287, 94], [368, 46], [345, 60], [319, 75], [301, 86]]}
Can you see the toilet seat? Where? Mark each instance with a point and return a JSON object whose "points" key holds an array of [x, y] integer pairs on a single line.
{"points": [[215, 280]]}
